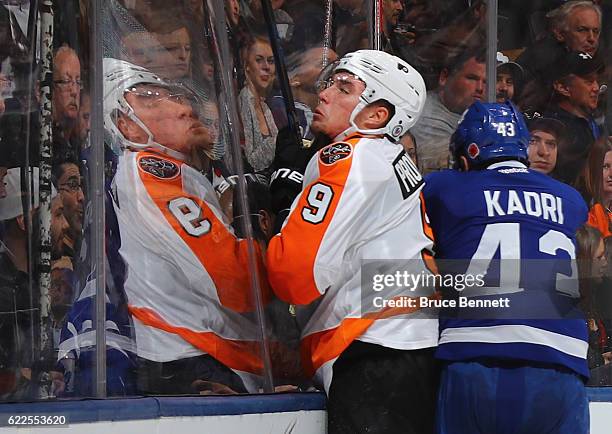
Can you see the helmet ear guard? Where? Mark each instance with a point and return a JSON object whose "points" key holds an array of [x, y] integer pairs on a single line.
{"points": [[489, 132]]}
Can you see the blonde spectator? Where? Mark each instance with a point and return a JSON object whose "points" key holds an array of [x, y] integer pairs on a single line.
{"points": [[260, 131]]}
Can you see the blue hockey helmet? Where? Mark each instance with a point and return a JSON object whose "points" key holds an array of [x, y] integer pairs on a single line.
{"points": [[490, 132]]}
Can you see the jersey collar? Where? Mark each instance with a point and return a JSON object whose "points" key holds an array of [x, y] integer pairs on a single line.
{"points": [[509, 163]]}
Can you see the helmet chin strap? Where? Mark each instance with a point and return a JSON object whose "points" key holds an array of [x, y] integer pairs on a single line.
{"points": [[151, 144]]}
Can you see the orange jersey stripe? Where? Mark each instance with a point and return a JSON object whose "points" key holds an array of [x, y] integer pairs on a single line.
{"points": [[292, 254], [239, 355], [222, 255]]}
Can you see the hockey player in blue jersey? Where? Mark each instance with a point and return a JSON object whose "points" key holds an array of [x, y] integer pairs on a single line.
{"points": [[520, 367]]}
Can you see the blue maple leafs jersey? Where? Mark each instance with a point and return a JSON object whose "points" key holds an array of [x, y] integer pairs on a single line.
{"points": [[516, 228]]}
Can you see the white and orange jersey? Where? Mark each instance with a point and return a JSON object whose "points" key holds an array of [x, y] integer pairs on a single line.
{"points": [[361, 201], [188, 283]]}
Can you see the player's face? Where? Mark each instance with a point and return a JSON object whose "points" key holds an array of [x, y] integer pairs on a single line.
{"points": [[58, 227], [542, 151], [67, 86], [607, 175], [392, 10], [584, 92], [504, 87], [260, 66], [336, 103], [582, 33], [71, 191], [169, 117], [465, 86]]}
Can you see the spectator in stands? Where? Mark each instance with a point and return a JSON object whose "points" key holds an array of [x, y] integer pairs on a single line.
{"points": [[165, 48], [595, 184], [460, 84], [84, 123], [255, 20], [545, 136], [210, 119], [159, 185], [232, 10], [391, 13], [17, 337], [574, 26], [409, 143], [260, 131], [508, 76], [67, 179], [592, 264], [575, 96], [61, 294], [140, 48], [174, 59], [66, 95], [577, 25]]}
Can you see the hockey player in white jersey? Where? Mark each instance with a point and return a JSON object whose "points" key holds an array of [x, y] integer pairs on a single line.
{"points": [[361, 201], [188, 283]]}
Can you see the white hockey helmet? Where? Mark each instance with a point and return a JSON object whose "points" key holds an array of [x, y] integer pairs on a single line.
{"points": [[388, 78], [120, 77]]}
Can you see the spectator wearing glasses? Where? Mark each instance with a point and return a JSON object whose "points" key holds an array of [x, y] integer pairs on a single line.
{"points": [[66, 92], [67, 179], [260, 131]]}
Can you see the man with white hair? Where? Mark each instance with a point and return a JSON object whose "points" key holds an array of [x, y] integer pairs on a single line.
{"points": [[188, 282], [361, 201], [574, 26]]}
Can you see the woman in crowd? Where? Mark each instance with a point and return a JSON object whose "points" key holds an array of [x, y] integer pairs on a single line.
{"points": [[592, 265], [259, 129], [596, 186]]}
